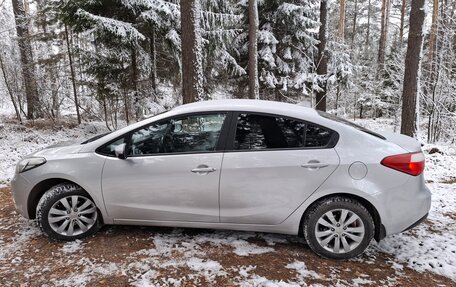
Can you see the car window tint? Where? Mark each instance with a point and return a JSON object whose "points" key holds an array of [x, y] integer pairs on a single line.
{"points": [[109, 148], [317, 136], [265, 132], [198, 133]]}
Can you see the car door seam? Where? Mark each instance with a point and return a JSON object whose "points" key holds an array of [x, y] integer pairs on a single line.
{"points": [[101, 187], [318, 187], [219, 186]]}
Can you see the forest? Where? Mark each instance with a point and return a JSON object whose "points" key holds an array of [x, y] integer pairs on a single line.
{"points": [[118, 60], [73, 73]]}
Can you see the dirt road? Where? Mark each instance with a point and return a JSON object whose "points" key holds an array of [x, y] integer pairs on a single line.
{"points": [[148, 256]]}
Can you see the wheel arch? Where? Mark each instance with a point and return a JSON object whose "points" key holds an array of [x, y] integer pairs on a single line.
{"points": [[380, 231], [40, 188]]}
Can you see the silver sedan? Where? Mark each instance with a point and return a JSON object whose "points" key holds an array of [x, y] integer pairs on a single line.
{"points": [[232, 164]]}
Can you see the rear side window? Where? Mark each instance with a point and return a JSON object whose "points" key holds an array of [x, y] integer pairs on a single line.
{"points": [[317, 136], [257, 132]]}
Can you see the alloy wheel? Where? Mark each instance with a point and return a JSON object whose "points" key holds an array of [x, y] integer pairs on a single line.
{"points": [[72, 215], [339, 230]]}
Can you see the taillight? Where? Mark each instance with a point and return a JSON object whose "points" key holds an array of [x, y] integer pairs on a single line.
{"points": [[410, 163]]}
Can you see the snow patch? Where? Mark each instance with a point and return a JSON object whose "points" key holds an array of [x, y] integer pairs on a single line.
{"points": [[72, 246]]}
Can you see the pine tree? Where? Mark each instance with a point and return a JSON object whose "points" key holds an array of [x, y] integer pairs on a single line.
{"points": [[412, 66], [253, 50], [192, 65], [322, 59], [287, 47], [383, 35]]}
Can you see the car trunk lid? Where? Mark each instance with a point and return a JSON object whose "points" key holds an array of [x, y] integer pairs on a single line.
{"points": [[408, 143]]}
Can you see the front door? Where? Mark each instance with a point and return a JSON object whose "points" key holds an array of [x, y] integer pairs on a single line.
{"points": [[171, 173]]}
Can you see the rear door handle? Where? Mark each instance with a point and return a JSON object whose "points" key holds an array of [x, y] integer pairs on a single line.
{"points": [[203, 169], [314, 165]]}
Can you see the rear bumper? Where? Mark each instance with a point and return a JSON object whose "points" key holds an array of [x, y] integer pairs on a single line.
{"points": [[407, 207], [421, 220]]}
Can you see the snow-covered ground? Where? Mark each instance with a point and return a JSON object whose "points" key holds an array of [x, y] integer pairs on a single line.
{"points": [[430, 247]]}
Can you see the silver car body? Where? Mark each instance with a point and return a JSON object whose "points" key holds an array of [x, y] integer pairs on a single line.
{"points": [[265, 190]]}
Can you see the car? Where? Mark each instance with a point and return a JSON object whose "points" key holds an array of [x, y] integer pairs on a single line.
{"points": [[232, 164]]}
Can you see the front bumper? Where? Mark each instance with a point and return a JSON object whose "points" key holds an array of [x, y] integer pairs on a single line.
{"points": [[20, 189]]}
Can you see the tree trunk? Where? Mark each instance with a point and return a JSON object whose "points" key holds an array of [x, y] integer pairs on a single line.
{"points": [[25, 47], [322, 60], [355, 16], [433, 40], [401, 27], [341, 26], [55, 111], [253, 50], [134, 80], [412, 66], [10, 90], [73, 77], [383, 35], [153, 62], [192, 64], [368, 24]]}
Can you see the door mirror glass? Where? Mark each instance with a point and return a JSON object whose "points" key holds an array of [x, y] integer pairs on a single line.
{"points": [[120, 151]]}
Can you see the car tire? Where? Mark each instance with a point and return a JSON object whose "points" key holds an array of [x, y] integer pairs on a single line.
{"points": [[66, 212], [338, 228]]}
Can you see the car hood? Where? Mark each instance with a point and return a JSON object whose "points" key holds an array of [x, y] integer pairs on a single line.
{"points": [[66, 147], [408, 143]]}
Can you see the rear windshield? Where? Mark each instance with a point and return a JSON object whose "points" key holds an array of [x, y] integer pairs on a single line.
{"points": [[349, 123]]}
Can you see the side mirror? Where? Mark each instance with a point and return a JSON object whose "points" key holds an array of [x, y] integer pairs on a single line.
{"points": [[120, 151]]}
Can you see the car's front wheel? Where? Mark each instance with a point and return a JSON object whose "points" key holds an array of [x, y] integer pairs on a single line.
{"points": [[338, 228], [66, 212]]}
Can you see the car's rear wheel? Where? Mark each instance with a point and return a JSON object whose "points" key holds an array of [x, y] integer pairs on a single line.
{"points": [[338, 228], [66, 212]]}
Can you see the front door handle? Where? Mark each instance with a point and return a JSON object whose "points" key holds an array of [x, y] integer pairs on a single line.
{"points": [[203, 169], [314, 165]]}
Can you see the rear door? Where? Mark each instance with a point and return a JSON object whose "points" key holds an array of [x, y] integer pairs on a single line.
{"points": [[272, 164]]}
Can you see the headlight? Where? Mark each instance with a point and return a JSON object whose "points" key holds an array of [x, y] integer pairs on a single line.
{"points": [[29, 163]]}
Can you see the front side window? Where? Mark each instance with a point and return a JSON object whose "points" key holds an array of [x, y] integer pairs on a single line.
{"points": [[109, 149], [196, 133], [257, 132]]}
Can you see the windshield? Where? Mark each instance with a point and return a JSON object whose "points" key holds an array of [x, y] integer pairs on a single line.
{"points": [[349, 123], [95, 138]]}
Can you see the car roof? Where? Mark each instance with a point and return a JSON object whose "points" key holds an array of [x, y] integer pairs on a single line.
{"points": [[246, 105]]}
